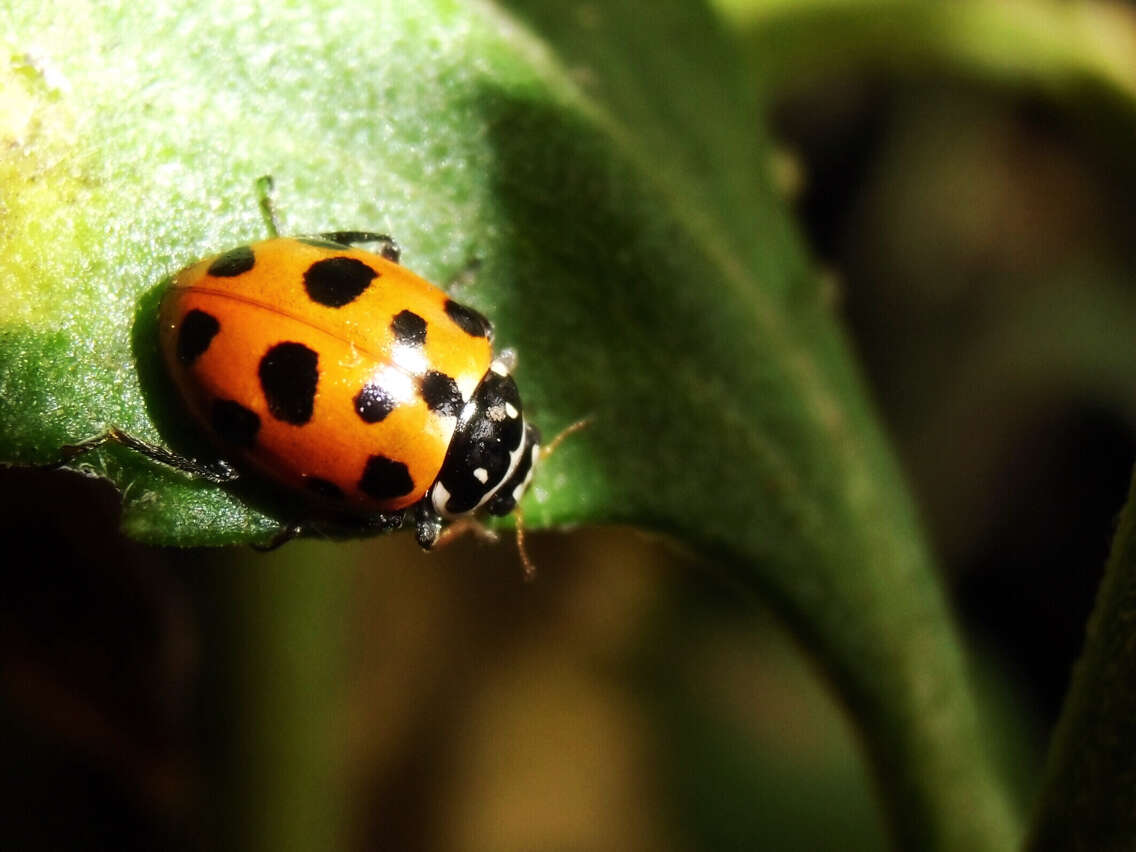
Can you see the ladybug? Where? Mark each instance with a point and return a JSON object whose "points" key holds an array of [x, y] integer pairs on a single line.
{"points": [[341, 376]]}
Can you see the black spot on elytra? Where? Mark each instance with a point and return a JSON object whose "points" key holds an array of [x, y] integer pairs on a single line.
{"points": [[441, 394], [373, 403], [194, 335], [234, 424], [323, 488], [385, 479], [288, 376], [409, 328], [337, 281], [468, 320], [233, 262]]}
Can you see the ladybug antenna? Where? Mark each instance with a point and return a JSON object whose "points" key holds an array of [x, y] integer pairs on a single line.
{"points": [[545, 452], [264, 187], [570, 429], [526, 562]]}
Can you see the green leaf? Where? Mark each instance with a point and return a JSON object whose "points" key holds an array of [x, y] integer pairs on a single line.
{"points": [[1086, 800], [605, 164], [1076, 53], [1073, 333]]}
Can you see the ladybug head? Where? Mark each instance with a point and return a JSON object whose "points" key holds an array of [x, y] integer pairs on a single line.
{"points": [[490, 458]]}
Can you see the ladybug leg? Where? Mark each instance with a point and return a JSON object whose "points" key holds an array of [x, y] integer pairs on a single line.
{"points": [[508, 357], [427, 525], [284, 535], [390, 249], [431, 533], [385, 522], [219, 471], [465, 525], [522, 550], [468, 524], [264, 186], [382, 522]]}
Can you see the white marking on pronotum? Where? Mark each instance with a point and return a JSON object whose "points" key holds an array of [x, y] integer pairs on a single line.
{"points": [[514, 459], [440, 497], [481, 475], [511, 410], [500, 368], [519, 491]]}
